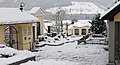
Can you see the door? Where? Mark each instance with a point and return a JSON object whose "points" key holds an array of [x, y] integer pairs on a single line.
{"points": [[38, 28], [11, 37], [117, 41], [33, 33]]}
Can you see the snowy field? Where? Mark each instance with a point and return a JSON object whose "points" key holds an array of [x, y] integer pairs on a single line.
{"points": [[71, 54]]}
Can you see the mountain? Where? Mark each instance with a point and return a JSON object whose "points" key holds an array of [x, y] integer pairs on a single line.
{"points": [[45, 4], [105, 3], [78, 8]]}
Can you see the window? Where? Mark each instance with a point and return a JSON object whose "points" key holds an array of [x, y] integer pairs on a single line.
{"points": [[29, 30], [83, 32], [76, 31], [11, 37], [25, 31], [89, 30]]}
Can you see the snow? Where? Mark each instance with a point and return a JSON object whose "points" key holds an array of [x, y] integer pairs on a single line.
{"points": [[34, 9], [17, 55], [50, 62], [67, 54], [59, 42], [110, 9], [2, 45], [14, 15], [71, 54], [80, 23], [8, 51], [78, 8], [46, 26], [22, 55], [66, 21]]}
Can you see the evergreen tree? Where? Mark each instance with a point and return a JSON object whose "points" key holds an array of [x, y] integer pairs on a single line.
{"points": [[98, 25]]}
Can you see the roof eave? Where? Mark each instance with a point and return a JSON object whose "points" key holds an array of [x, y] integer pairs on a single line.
{"points": [[19, 22], [110, 14]]}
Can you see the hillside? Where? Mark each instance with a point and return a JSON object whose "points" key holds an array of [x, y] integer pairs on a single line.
{"points": [[78, 8], [45, 4]]}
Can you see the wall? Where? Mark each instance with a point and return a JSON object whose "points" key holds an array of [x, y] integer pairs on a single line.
{"points": [[41, 18], [22, 42], [72, 30], [2, 37], [117, 17], [27, 36]]}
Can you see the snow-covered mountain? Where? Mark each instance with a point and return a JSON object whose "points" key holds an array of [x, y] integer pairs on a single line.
{"points": [[45, 4], [78, 8]]}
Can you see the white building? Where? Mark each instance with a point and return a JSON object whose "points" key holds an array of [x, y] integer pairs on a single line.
{"points": [[82, 27]]}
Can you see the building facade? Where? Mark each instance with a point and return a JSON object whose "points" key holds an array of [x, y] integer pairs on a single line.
{"points": [[113, 17], [16, 28], [39, 13], [82, 27]]}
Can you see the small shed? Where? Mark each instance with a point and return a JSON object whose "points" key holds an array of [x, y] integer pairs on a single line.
{"points": [[113, 17], [16, 28]]}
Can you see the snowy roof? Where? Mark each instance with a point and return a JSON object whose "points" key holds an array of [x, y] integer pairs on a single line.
{"points": [[112, 11], [35, 10], [47, 24], [15, 16], [80, 23], [66, 21]]}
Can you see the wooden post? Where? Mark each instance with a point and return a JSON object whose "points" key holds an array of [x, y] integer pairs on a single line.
{"points": [[111, 37]]}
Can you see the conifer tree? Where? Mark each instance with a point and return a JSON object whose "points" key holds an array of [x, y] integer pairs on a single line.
{"points": [[98, 25]]}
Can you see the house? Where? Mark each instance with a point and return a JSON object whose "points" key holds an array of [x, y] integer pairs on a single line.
{"points": [[82, 27], [16, 28], [39, 13], [113, 17]]}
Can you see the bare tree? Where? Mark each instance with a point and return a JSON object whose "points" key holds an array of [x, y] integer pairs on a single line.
{"points": [[58, 17]]}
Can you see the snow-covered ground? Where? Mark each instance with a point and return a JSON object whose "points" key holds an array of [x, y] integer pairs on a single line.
{"points": [[15, 55], [52, 42], [67, 54], [78, 8], [71, 54]]}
